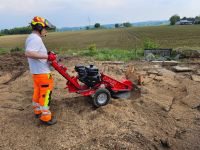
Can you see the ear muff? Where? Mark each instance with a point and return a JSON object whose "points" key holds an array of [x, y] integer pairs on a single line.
{"points": [[38, 27]]}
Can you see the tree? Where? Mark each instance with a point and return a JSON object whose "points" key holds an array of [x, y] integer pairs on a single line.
{"points": [[184, 18], [87, 28], [5, 31], [197, 20], [173, 19], [127, 24], [116, 25], [97, 25]]}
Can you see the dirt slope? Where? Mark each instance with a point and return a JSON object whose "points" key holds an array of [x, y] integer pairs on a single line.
{"points": [[165, 116]]}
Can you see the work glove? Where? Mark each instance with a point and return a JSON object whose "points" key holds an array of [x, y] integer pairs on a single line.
{"points": [[51, 56]]}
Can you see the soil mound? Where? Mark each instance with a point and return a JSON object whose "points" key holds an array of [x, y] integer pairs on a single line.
{"points": [[165, 115]]}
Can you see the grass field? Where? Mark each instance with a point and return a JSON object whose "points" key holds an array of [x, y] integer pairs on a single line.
{"points": [[122, 38]]}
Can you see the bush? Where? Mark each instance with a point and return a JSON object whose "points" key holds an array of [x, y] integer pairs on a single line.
{"points": [[150, 44], [127, 24], [107, 54], [4, 50], [112, 54], [16, 49], [92, 49], [118, 54]]}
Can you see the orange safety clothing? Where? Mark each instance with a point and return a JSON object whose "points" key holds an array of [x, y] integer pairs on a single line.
{"points": [[43, 86]]}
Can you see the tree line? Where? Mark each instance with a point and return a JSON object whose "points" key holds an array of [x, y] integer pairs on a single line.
{"points": [[18, 30], [117, 25]]}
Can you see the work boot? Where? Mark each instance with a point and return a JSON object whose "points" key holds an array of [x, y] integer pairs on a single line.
{"points": [[50, 122], [37, 112]]}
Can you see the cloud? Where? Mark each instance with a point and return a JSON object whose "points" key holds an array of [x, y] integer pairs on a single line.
{"points": [[76, 12], [31, 6], [22, 7]]}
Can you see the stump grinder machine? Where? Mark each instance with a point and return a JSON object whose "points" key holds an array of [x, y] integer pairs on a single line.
{"points": [[92, 83]]}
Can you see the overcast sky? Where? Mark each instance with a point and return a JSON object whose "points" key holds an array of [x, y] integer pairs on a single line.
{"points": [[65, 13]]}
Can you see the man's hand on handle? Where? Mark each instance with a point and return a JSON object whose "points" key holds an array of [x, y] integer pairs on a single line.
{"points": [[51, 56]]}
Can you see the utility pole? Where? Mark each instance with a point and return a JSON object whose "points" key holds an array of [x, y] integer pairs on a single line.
{"points": [[89, 21]]}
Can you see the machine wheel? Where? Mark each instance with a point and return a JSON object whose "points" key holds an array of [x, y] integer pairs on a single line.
{"points": [[101, 97]]}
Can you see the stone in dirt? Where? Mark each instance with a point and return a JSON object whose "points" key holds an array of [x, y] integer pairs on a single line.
{"points": [[182, 69], [198, 72], [164, 101], [167, 63], [156, 72], [196, 78], [165, 142], [159, 79], [192, 101]]}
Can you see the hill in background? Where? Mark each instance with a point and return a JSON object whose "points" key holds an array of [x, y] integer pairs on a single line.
{"points": [[110, 26]]}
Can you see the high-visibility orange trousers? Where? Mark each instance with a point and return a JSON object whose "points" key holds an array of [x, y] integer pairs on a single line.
{"points": [[43, 86]]}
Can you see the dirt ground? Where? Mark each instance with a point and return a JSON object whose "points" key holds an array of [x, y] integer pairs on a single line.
{"points": [[166, 115]]}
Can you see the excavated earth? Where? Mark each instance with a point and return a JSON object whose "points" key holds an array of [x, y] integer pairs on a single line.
{"points": [[165, 114]]}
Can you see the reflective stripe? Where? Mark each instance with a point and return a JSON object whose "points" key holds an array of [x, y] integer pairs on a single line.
{"points": [[49, 76], [47, 98], [37, 108], [36, 104], [43, 108], [46, 113]]}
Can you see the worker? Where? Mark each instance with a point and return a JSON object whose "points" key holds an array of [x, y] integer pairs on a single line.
{"points": [[38, 58]]}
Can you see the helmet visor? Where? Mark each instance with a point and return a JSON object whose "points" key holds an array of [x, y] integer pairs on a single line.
{"points": [[49, 25]]}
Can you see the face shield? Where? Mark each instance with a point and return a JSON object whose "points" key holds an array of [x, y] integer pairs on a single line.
{"points": [[49, 25]]}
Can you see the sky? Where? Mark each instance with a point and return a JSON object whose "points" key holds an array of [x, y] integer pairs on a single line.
{"points": [[70, 13]]}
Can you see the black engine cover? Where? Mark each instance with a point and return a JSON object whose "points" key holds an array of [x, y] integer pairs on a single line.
{"points": [[89, 75]]}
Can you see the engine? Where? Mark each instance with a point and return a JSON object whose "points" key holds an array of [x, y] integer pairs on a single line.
{"points": [[89, 75]]}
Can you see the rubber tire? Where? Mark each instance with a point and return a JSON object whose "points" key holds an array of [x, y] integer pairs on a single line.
{"points": [[97, 93]]}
